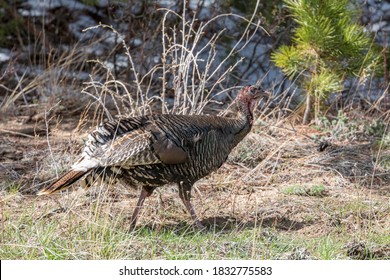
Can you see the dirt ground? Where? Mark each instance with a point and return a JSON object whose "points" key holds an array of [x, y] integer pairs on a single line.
{"points": [[257, 186]]}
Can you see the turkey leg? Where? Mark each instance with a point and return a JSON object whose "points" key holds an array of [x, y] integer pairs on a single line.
{"points": [[185, 195], [145, 192]]}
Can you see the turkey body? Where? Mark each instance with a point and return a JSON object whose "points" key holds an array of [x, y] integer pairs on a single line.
{"points": [[178, 148], [154, 150]]}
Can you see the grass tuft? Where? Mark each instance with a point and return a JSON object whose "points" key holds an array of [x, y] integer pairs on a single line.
{"points": [[315, 190]]}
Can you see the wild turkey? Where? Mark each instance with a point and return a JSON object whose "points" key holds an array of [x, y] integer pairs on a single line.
{"points": [[155, 150]]}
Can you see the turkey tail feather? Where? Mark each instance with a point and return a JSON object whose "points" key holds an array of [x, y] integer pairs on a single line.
{"points": [[63, 182]]}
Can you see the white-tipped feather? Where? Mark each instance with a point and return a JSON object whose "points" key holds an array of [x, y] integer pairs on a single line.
{"points": [[85, 164]]}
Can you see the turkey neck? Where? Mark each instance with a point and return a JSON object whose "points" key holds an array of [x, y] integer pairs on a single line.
{"points": [[243, 123]]}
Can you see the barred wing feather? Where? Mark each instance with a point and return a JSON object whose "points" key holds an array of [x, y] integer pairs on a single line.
{"points": [[144, 146]]}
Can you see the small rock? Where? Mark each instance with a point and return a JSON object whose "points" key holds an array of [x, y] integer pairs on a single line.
{"points": [[137, 8], [385, 7], [357, 250], [297, 254], [378, 26], [135, 42]]}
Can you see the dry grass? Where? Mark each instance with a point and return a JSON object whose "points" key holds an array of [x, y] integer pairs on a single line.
{"points": [[244, 205]]}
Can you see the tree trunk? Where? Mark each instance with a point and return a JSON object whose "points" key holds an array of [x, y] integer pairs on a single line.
{"points": [[306, 115]]}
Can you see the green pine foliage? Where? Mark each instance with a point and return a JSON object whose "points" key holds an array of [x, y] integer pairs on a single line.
{"points": [[327, 46]]}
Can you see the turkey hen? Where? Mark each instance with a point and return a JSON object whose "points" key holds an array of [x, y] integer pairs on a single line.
{"points": [[155, 150]]}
